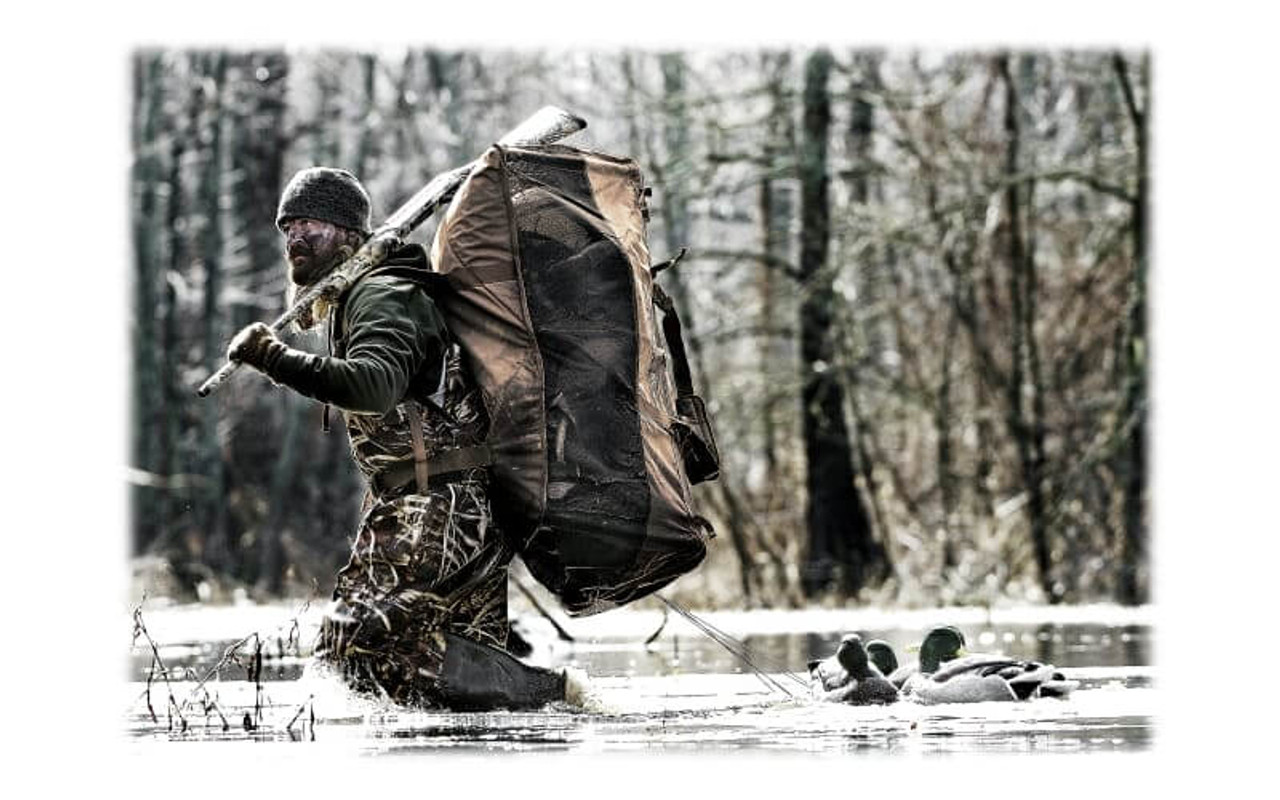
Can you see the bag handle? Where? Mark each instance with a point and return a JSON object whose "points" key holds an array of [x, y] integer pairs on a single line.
{"points": [[675, 341]]}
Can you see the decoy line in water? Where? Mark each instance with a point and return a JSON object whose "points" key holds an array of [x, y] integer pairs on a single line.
{"points": [[933, 652], [736, 648]]}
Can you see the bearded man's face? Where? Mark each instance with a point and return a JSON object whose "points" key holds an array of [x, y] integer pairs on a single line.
{"points": [[313, 247]]}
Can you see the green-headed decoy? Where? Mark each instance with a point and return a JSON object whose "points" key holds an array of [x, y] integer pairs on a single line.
{"points": [[949, 674], [941, 643], [849, 677], [882, 656]]}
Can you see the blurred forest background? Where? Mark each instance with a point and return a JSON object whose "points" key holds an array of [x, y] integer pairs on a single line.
{"points": [[915, 301]]}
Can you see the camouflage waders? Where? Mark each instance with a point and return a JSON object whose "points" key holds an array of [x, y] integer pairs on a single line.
{"points": [[422, 564]]}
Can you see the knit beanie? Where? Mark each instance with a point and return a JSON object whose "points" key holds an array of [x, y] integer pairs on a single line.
{"points": [[327, 194]]}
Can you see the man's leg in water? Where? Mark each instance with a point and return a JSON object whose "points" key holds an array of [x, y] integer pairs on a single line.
{"points": [[420, 613]]}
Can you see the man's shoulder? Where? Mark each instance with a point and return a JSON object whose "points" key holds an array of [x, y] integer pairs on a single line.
{"points": [[402, 286], [387, 282], [389, 294], [403, 271], [391, 289]]}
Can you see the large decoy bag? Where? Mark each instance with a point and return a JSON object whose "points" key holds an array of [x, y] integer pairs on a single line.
{"points": [[594, 442]]}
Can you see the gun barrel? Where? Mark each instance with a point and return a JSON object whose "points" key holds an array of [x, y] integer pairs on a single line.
{"points": [[215, 380]]}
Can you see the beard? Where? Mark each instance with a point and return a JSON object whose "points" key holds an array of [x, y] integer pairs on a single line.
{"points": [[303, 276], [304, 268]]}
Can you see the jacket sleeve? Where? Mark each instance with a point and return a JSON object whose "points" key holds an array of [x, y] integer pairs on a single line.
{"points": [[394, 330]]}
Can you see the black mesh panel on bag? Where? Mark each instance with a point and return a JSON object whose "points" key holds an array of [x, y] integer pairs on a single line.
{"points": [[580, 295]]}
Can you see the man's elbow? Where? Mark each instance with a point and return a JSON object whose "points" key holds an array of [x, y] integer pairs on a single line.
{"points": [[379, 396], [372, 403], [372, 387], [383, 405]]}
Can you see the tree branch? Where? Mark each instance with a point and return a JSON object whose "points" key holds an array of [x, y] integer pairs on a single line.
{"points": [[1090, 180], [1122, 73], [764, 259]]}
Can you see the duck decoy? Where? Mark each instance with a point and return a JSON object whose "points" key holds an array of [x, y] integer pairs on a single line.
{"points": [[849, 677], [941, 643], [882, 656], [950, 674]]}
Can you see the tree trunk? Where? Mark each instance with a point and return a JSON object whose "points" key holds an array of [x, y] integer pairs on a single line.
{"points": [[212, 506], [1133, 586], [777, 208], [839, 529], [946, 462], [859, 139], [148, 103], [775, 221], [1024, 422], [169, 511]]}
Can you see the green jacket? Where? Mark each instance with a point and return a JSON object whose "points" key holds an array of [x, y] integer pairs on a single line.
{"points": [[388, 341]]}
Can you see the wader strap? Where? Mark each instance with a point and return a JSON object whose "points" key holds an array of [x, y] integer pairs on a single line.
{"points": [[421, 471], [440, 467]]}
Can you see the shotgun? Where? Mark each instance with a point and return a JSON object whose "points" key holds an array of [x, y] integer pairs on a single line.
{"points": [[549, 124]]}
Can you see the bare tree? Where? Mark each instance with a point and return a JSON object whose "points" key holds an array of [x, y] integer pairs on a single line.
{"points": [[841, 545], [1132, 588]]}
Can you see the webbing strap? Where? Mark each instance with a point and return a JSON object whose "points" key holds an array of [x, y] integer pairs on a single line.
{"points": [[441, 465], [420, 470], [675, 342]]}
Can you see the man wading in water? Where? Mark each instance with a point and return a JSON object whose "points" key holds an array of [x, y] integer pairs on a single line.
{"points": [[419, 613]]}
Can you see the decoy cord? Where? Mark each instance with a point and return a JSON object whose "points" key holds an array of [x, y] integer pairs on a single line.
{"points": [[736, 648]]}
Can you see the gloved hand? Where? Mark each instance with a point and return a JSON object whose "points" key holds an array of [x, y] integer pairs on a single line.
{"points": [[250, 346]]}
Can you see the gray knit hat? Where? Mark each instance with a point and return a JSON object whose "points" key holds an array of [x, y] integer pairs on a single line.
{"points": [[326, 194]]}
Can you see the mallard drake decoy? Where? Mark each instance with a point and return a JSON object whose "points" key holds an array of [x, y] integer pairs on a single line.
{"points": [[949, 674], [882, 656], [942, 643], [848, 677]]}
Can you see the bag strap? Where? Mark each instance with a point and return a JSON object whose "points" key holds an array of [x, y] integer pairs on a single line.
{"points": [[675, 342]]}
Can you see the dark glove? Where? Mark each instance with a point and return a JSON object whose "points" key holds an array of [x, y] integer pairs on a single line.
{"points": [[251, 345]]}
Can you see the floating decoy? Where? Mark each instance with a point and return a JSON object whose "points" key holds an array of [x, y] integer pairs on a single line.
{"points": [[942, 643], [949, 674], [882, 656], [849, 677]]}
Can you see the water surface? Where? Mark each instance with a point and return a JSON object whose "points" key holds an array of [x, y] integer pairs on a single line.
{"points": [[682, 692]]}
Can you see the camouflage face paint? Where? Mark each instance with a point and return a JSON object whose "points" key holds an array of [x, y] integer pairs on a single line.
{"points": [[312, 247]]}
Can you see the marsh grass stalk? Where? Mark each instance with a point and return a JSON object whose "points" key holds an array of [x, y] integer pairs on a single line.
{"points": [[233, 655], [661, 627], [140, 629], [311, 701]]}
